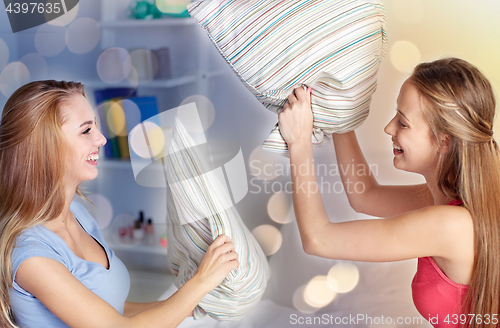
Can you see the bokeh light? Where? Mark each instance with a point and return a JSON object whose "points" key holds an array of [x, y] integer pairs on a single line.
{"points": [[206, 112], [132, 113], [269, 238], [83, 35], [145, 63], [266, 165], [114, 65], [299, 303], [66, 18], [4, 54], [13, 76], [133, 78], [343, 277], [102, 212], [148, 147], [318, 293], [405, 56], [115, 118], [280, 208], [408, 11], [36, 65], [50, 40]]}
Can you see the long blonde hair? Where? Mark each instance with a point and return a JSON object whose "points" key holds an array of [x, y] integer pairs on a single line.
{"points": [[459, 101], [33, 151]]}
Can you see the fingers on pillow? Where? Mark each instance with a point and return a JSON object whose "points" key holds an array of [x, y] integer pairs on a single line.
{"points": [[221, 239]]}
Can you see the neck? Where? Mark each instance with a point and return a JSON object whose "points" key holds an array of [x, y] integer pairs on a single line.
{"points": [[439, 197], [66, 217]]}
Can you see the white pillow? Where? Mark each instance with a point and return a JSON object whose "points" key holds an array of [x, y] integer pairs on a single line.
{"points": [[333, 46], [199, 210]]}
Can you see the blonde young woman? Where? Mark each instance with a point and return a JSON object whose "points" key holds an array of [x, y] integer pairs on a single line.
{"points": [[442, 130], [57, 270]]}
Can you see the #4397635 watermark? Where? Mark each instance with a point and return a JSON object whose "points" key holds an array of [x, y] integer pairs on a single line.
{"points": [[25, 14], [354, 319]]}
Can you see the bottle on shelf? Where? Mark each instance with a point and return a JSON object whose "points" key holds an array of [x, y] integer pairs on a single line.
{"points": [[150, 233]]}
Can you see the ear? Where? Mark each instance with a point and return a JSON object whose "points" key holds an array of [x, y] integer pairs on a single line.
{"points": [[444, 143]]}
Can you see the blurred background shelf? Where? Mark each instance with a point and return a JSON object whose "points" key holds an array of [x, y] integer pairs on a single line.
{"points": [[135, 23], [168, 83]]}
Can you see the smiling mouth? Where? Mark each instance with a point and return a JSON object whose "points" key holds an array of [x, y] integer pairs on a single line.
{"points": [[92, 158], [397, 149]]}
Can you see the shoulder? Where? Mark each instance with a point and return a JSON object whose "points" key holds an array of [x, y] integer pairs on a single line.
{"points": [[452, 219], [36, 241], [450, 226]]}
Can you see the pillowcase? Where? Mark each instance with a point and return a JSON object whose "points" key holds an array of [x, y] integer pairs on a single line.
{"points": [[199, 210], [333, 46]]}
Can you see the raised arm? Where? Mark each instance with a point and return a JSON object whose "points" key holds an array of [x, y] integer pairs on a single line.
{"points": [[52, 283], [377, 200], [430, 231]]}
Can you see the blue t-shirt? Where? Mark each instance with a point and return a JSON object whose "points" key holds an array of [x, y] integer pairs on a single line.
{"points": [[112, 284]]}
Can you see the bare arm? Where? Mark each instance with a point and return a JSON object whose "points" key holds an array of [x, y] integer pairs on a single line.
{"points": [[430, 231], [133, 308], [376, 200], [51, 283]]}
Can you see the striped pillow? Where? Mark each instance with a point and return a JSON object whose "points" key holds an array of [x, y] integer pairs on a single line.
{"points": [[198, 212], [333, 46]]}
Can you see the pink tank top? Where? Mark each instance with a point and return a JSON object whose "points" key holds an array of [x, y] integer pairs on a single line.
{"points": [[437, 297]]}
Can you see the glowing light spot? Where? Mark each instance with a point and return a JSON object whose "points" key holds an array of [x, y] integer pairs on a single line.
{"points": [[150, 145], [145, 63], [102, 212], [114, 65], [265, 165], [299, 302], [133, 78], [317, 292], [13, 76], [343, 277], [132, 113], [50, 40], [269, 238], [280, 208], [66, 18], [36, 65], [409, 11], [83, 35], [116, 119], [206, 112], [4, 54], [405, 56]]}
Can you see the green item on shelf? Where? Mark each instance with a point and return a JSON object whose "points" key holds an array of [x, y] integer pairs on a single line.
{"points": [[143, 10], [179, 9]]}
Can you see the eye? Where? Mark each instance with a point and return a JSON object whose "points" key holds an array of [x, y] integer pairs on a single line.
{"points": [[86, 131], [401, 124]]}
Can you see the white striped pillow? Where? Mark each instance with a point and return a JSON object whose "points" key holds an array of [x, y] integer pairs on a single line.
{"points": [[197, 214], [333, 46]]}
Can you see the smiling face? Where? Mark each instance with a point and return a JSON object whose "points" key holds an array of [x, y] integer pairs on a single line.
{"points": [[84, 140], [415, 148]]}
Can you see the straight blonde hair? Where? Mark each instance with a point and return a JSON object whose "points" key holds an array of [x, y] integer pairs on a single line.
{"points": [[458, 101], [33, 152]]}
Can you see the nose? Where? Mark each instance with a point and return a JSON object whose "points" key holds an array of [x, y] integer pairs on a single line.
{"points": [[100, 139], [391, 127]]}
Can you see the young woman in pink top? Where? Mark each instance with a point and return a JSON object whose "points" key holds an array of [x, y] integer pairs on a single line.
{"points": [[443, 130]]}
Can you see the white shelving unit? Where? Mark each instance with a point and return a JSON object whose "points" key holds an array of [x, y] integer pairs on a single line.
{"points": [[189, 70]]}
